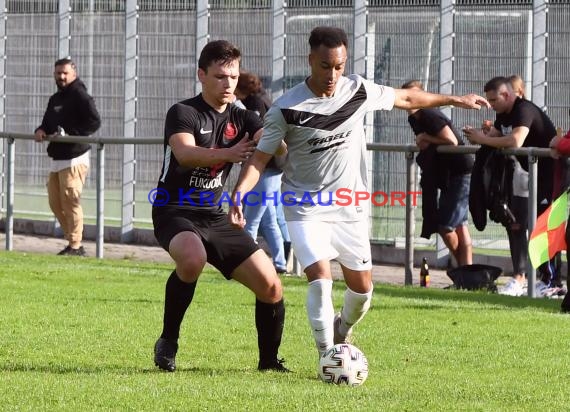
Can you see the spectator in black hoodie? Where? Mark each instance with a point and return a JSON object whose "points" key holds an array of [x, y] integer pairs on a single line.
{"points": [[70, 111]]}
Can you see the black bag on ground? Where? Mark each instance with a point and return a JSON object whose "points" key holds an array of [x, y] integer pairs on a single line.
{"points": [[475, 277]]}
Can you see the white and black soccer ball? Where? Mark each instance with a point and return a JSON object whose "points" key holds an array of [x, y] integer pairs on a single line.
{"points": [[343, 364]]}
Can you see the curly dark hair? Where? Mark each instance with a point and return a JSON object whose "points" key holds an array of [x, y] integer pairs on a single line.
{"points": [[329, 37]]}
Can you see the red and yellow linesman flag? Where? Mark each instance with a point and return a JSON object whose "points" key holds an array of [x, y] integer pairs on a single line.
{"points": [[548, 236]]}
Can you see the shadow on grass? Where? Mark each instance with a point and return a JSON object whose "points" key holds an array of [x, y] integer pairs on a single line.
{"points": [[106, 369], [437, 294], [118, 300], [66, 369], [85, 262], [481, 297]]}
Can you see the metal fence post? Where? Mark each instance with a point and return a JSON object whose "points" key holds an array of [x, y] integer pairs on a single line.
{"points": [[3, 22], [360, 29], [100, 236], [64, 36], [447, 37], [446, 86], [130, 119], [532, 209], [10, 193], [410, 220], [278, 50], [539, 59], [202, 35]]}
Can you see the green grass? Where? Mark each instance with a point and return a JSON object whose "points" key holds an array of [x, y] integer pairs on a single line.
{"points": [[77, 334]]}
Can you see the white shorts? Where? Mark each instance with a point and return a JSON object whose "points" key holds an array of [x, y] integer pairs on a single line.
{"points": [[346, 242]]}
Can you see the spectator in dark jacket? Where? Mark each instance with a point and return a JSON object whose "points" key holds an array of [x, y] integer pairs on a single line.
{"points": [[70, 111], [450, 173]]}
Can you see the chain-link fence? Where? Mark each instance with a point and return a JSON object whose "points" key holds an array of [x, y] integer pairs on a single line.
{"points": [[139, 57]]}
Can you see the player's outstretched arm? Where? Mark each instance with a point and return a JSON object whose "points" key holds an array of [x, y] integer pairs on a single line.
{"points": [[417, 99]]}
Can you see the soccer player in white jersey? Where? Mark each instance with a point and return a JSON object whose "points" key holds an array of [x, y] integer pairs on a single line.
{"points": [[322, 122]]}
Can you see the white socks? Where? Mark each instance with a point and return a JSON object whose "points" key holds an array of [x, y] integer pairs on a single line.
{"points": [[355, 307], [321, 313]]}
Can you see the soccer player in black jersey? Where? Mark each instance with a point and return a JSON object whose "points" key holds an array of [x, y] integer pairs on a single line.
{"points": [[203, 137]]}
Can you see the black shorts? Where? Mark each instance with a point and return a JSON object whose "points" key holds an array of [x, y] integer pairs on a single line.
{"points": [[226, 247]]}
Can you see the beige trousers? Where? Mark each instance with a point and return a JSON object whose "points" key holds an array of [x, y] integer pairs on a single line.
{"points": [[64, 194]]}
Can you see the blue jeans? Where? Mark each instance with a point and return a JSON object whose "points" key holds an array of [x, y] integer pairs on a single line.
{"points": [[453, 204], [282, 222], [262, 217]]}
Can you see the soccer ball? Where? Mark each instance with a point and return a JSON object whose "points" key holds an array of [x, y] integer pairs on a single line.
{"points": [[343, 364]]}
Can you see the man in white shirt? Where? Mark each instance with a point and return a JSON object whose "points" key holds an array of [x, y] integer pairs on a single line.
{"points": [[322, 122]]}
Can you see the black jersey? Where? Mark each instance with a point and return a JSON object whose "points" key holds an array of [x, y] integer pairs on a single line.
{"points": [[431, 121], [526, 113], [201, 187], [541, 130]]}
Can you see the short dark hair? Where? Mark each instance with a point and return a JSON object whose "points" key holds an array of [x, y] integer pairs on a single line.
{"points": [[410, 84], [63, 62], [495, 83], [249, 83], [218, 51], [330, 37]]}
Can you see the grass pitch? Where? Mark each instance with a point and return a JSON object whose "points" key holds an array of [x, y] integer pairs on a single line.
{"points": [[77, 334]]}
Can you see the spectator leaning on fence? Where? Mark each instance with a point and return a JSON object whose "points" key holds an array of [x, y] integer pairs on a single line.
{"points": [[520, 123], [448, 172], [71, 111], [322, 122]]}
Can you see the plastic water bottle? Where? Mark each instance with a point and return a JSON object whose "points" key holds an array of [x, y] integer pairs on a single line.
{"points": [[424, 274]]}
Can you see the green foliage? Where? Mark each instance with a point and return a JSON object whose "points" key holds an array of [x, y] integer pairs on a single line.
{"points": [[77, 334]]}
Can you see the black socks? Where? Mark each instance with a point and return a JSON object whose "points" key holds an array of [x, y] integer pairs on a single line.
{"points": [[178, 296], [269, 318], [269, 321]]}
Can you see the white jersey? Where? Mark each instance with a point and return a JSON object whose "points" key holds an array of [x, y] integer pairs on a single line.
{"points": [[326, 147]]}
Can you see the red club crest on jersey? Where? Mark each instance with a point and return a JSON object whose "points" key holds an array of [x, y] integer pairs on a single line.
{"points": [[230, 132], [217, 167]]}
